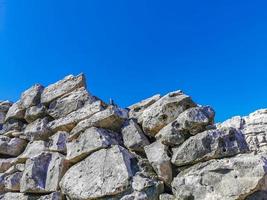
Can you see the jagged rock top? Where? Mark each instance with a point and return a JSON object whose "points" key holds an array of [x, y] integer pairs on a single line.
{"points": [[61, 142]]}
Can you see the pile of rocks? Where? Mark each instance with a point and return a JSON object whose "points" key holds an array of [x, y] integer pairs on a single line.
{"points": [[61, 142]]}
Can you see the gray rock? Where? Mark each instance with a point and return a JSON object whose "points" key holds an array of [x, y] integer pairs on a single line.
{"points": [[6, 163], [33, 149], [12, 125], [228, 179], [133, 136], [111, 118], [38, 130], [43, 173], [208, 145], [195, 120], [12, 182], [4, 106], [21, 196], [11, 146], [89, 141], [260, 195], [31, 97], [172, 135], [108, 176], [235, 122], [35, 112], [16, 111], [166, 197], [57, 142], [62, 87], [157, 154], [137, 109], [68, 122], [164, 111], [68, 103]]}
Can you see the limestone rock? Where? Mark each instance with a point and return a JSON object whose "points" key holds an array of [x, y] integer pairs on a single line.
{"points": [[68, 103], [228, 179], [11, 146], [35, 112], [12, 182], [12, 125], [111, 118], [6, 163], [16, 111], [108, 176], [43, 173], [172, 135], [38, 130], [4, 106], [68, 122], [137, 109], [57, 142], [166, 197], [195, 120], [133, 136], [88, 142], [209, 145], [157, 154], [62, 87], [33, 149], [164, 111], [235, 122], [31, 97]]}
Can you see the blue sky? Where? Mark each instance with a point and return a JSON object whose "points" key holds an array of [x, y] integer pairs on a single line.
{"points": [[215, 51]]}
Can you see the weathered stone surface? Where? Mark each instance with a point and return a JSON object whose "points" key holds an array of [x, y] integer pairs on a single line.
{"points": [[111, 118], [89, 141], [108, 176], [35, 112], [38, 130], [12, 125], [166, 197], [31, 97], [6, 163], [4, 106], [11, 146], [62, 87], [137, 109], [68, 103], [157, 154], [133, 136], [164, 111], [228, 179], [57, 142], [208, 145], [235, 122], [16, 111], [43, 173], [172, 135], [52, 196], [195, 120], [68, 122], [33, 149], [12, 182], [21, 196]]}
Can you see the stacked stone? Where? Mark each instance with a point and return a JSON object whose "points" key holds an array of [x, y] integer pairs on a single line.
{"points": [[60, 142]]}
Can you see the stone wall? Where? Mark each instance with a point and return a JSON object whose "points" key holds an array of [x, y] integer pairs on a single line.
{"points": [[61, 142]]}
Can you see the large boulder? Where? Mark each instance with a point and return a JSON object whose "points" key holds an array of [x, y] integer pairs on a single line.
{"points": [[157, 154], [16, 111], [62, 87], [68, 122], [68, 103], [164, 111], [58, 142], [133, 136], [208, 145], [43, 173], [11, 146], [31, 97], [35, 112], [38, 130], [88, 142], [228, 179], [106, 172], [111, 118], [137, 109]]}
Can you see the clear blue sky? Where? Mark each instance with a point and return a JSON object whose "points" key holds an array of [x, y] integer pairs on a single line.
{"points": [[215, 51]]}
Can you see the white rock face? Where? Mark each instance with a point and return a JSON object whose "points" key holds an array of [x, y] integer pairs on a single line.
{"points": [[229, 179], [95, 178]]}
